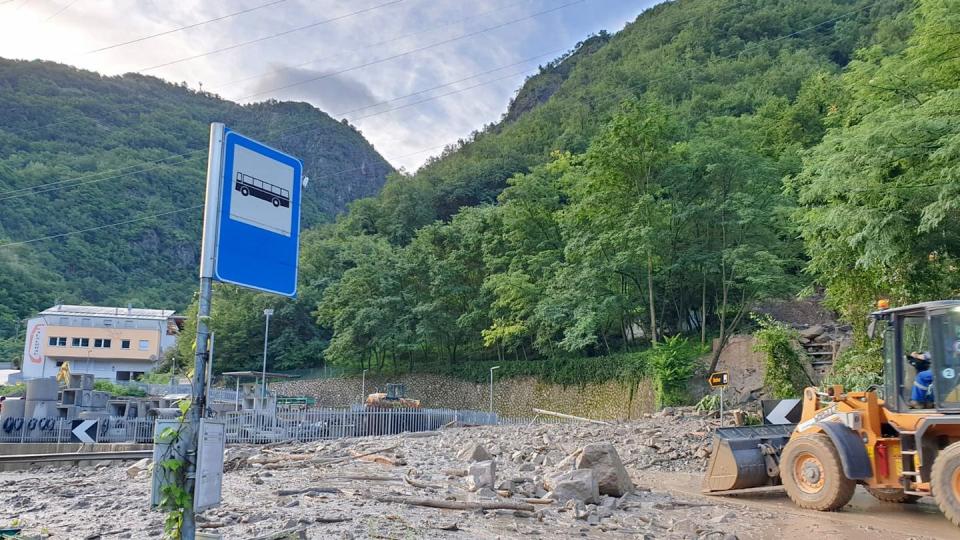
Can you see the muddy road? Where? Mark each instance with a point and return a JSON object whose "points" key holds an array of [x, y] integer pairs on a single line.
{"points": [[864, 518]]}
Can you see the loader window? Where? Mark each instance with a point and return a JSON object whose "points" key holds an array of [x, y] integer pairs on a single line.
{"points": [[915, 337], [947, 369]]}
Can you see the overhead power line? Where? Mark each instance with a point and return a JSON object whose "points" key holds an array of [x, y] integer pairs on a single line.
{"points": [[793, 34], [371, 45], [224, 84], [59, 11], [200, 153], [271, 36], [37, 189], [97, 228], [178, 211], [185, 27], [197, 154], [416, 50]]}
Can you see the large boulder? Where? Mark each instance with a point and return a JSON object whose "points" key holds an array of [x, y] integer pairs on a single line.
{"points": [[474, 452], [578, 485], [603, 460], [812, 332], [482, 474]]}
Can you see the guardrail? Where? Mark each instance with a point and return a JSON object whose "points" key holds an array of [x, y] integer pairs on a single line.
{"points": [[255, 427]]}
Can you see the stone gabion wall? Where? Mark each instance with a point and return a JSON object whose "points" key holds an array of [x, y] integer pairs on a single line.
{"points": [[512, 397]]}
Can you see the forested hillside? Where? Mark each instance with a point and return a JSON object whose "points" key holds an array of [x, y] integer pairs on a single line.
{"points": [[79, 150], [712, 154]]}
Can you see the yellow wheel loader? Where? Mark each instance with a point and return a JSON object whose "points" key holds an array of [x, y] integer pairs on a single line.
{"points": [[901, 441]]}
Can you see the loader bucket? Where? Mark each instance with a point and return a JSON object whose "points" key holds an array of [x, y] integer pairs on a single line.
{"points": [[738, 460]]}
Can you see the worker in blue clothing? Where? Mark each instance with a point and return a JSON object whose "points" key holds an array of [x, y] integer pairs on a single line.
{"points": [[922, 395]]}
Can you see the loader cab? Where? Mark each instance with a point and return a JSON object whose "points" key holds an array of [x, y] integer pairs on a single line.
{"points": [[932, 327]]}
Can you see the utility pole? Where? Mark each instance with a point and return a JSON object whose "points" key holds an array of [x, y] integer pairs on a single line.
{"points": [[363, 387], [491, 386], [266, 339]]}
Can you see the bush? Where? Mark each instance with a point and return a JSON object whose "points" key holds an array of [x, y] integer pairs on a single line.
{"points": [[118, 390], [858, 367], [155, 377], [13, 390], [671, 365], [784, 375]]}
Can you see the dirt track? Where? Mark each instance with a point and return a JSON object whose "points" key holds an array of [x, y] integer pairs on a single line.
{"points": [[864, 519]]}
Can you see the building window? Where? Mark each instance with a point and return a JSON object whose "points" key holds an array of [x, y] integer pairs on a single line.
{"points": [[125, 344], [80, 342], [75, 342], [59, 363], [101, 343], [53, 341], [144, 344], [61, 342], [108, 322], [128, 324]]}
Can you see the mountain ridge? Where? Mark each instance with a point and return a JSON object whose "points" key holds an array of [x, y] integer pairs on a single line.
{"points": [[109, 149]]}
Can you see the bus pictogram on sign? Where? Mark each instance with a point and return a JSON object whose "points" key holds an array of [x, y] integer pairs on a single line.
{"points": [[250, 185]]}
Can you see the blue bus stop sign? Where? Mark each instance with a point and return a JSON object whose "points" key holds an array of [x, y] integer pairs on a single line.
{"points": [[252, 213]]}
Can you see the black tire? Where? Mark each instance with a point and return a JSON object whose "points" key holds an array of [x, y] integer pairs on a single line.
{"points": [[812, 473], [244, 191], [945, 482], [892, 495], [276, 203]]}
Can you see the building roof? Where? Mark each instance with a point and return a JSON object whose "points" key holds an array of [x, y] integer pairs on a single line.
{"points": [[99, 311]]}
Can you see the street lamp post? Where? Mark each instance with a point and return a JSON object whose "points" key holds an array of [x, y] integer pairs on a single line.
{"points": [[363, 387], [263, 376], [491, 386]]}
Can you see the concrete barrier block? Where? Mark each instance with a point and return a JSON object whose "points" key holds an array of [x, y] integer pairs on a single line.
{"points": [[42, 389], [13, 408], [99, 399]]}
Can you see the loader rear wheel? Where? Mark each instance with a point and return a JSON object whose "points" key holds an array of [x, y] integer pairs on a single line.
{"points": [[892, 495], [945, 482], [812, 473]]}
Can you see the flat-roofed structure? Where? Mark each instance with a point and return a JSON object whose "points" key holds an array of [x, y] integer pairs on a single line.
{"points": [[107, 342]]}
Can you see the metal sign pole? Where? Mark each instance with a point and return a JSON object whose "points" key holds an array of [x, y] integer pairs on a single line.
{"points": [[188, 439], [721, 406]]}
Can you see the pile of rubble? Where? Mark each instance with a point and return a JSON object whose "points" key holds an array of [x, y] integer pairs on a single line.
{"points": [[543, 481], [824, 333]]}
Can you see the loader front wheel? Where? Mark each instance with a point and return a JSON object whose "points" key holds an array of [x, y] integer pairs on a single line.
{"points": [[812, 473], [945, 482], [892, 495]]}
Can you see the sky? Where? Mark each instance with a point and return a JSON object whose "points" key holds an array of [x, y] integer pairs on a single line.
{"points": [[412, 75]]}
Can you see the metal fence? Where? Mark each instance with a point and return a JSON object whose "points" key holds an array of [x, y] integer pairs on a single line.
{"points": [[255, 427], [218, 394], [58, 430]]}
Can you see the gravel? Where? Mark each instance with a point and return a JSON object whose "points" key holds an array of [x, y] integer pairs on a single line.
{"points": [[330, 489]]}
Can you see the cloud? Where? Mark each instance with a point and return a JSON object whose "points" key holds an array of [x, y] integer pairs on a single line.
{"points": [[334, 93], [344, 55]]}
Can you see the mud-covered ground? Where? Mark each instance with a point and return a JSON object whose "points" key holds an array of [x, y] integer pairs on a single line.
{"points": [[349, 489]]}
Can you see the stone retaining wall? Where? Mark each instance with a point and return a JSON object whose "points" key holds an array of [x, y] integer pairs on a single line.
{"points": [[515, 397]]}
